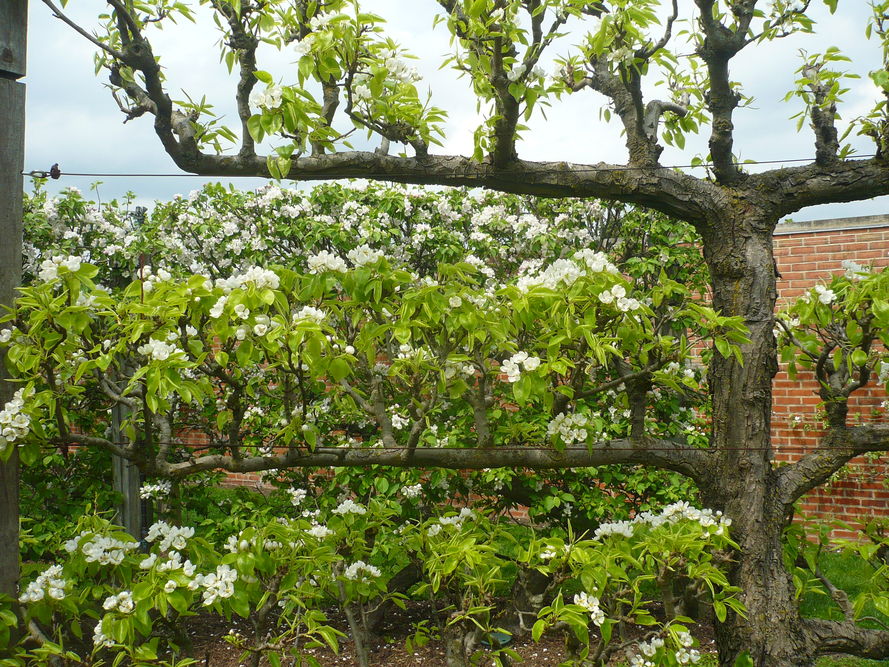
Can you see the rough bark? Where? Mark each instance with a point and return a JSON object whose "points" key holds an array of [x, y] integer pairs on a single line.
{"points": [[648, 451], [742, 484]]}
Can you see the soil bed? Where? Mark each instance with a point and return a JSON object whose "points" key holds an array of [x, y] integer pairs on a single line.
{"points": [[389, 651]]}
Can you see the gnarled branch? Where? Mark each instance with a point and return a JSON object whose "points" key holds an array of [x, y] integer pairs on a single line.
{"points": [[840, 445]]}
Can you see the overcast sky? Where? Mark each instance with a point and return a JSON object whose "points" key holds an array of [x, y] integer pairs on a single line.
{"points": [[73, 120]]}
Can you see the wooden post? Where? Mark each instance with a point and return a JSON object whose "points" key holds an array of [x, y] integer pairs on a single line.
{"points": [[126, 481], [13, 30]]}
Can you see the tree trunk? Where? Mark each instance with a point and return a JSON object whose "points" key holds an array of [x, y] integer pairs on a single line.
{"points": [[743, 483], [460, 640], [529, 595]]}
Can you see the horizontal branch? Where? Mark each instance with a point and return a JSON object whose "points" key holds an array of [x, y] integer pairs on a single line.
{"points": [[663, 189], [840, 445], [643, 451], [847, 637], [795, 188]]}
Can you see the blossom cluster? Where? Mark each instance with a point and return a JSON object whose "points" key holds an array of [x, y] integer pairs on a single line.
{"points": [[569, 428], [564, 272], [591, 604], [155, 490], [309, 314], [673, 513], [122, 602], [349, 506], [618, 296], [255, 276], [48, 583], [412, 491], [354, 571], [825, 295], [172, 562], [158, 350], [297, 496], [326, 261], [455, 521], [14, 423], [364, 255], [49, 268], [170, 536], [648, 650], [100, 548], [219, 584], [512, 367], [268, 98], [100, 639]]}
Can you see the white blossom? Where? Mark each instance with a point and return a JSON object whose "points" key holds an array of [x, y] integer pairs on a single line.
{"points": [[309, 313], [412, 491], [158, 350], [269, 98], [319, 531], [512, 367], [591, 604], [349, 506], [122, 602], [297, 496], [48, 583], [169, 536], [326, 261], [825, 295], [14, 423], [155, 490], [364, 255], [570, 428], [354, 571]]}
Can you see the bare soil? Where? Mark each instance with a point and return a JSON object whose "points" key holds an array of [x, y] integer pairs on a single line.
{"points": [[389, 651]]}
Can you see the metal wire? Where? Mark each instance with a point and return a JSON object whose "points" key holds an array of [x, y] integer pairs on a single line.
{"points": [[507, 448], [43, 174]]}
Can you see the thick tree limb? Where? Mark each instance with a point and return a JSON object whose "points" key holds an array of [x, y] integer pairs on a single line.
{"points": [[847, 637], [662, 189], [823, 115], [720, 45], [643, 451], [244, 45], [840, 445], [795, 188]]}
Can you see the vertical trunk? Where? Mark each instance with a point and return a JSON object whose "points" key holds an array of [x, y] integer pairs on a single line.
{"points": [[742, 485], [460, 640]]}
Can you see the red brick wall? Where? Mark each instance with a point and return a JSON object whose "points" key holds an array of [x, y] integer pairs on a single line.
{"points": [[806, 254]]}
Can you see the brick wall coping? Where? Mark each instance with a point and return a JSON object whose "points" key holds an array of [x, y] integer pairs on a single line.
{"points": [[832, 224]]}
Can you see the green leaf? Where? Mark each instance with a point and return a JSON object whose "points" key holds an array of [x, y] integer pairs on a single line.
{"points": [[254, 127], [339, 369], [859, 357], [719, 610], [744, 660]]}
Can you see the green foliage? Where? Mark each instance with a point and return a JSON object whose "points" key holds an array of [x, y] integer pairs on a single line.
{"points": [[55, 491], [269, 379], [282, 571]]}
